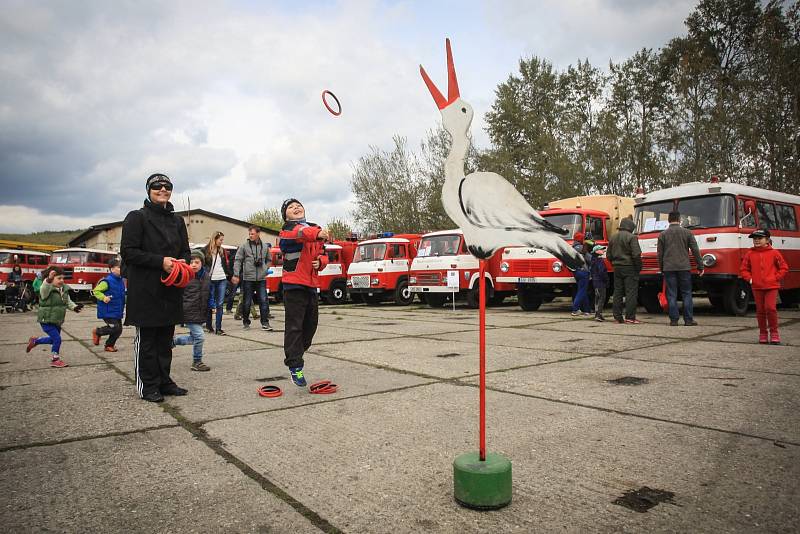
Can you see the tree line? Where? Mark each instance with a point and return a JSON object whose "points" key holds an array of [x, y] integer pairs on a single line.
{"points": [[723, 100]]}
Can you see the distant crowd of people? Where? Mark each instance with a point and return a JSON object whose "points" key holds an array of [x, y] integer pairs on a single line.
{"points": [[154, 242]]}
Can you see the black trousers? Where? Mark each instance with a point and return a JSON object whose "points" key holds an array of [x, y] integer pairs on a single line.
{"points": [[626, 284], [152, 349], [113, 330], [302, 316]]}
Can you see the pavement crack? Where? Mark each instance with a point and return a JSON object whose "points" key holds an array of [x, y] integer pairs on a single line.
{"points": [[50, 443]]}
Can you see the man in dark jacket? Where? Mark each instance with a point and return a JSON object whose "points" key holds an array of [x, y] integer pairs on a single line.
{"points": [[153, 238], [625, 256], [195, 304], [673, 245]]}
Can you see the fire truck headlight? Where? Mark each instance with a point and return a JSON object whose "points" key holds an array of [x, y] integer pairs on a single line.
{"points": [[349, 283], [375, 281], [709, 260], [412, 279], [504, 267], [557, 266]]}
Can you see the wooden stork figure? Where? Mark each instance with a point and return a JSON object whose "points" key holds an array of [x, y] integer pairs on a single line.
{"points": [[492, 214]]}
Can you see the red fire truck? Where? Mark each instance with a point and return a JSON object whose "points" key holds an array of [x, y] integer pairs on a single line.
{"points": [[333, 278], [721, 215], [275, 273], [380, 268], [538, 275], [83, 267], [30, 261], [442, 257]]}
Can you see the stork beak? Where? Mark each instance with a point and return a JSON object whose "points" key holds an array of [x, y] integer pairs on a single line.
{"points": [[452, 82]]}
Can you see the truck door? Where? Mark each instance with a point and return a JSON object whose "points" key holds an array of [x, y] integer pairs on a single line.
{"points": [[597, 227]]}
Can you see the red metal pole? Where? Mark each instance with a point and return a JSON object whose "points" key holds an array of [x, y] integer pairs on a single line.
{"points": [[482, 342]]}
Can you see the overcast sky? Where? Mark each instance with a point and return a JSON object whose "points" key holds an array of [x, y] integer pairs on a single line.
{"points": [[224, 97]]}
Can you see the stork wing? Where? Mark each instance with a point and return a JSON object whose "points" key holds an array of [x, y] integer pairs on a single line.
{"points": [[489, 201]]}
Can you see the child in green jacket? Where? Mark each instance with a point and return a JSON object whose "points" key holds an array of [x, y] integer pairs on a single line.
{"points": [[53, 303]]}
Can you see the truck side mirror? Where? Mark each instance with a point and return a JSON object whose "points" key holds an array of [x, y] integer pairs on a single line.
{"points": [[750, 209]]}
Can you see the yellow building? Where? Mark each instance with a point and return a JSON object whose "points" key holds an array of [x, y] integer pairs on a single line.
{"points": [[200, 225]]}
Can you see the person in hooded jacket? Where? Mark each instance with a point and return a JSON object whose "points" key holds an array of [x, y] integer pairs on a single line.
{"points": [[764, 268], [153, 239], [625, 256]]}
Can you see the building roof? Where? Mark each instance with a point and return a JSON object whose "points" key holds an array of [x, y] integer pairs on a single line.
{"points": [[83, 236]]}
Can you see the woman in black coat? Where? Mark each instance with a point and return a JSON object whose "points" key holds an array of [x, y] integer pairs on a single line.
{"points": [[153, 237]]}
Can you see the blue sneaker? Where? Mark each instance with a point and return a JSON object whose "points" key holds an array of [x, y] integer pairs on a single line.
{"points": [[297, 376]]}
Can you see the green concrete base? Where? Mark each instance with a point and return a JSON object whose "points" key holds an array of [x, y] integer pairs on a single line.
{"points": [[482, 485]]}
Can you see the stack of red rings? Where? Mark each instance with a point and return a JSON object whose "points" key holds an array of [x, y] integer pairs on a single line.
{"points": [[323, 387], [180, 276], [269, 391]]}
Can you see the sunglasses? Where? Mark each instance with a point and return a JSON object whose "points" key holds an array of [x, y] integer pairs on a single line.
{"points": [[159, 187]]}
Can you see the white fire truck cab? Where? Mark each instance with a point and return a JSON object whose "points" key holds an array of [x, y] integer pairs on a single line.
{"points": [[720, 215], [443, 253], [380, 268]]}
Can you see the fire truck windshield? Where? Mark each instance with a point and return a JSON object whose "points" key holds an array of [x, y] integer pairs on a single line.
{"points": [[370, 252], [439, 245], [572, 222], [70, 257], [5, 257], [712, 211]]}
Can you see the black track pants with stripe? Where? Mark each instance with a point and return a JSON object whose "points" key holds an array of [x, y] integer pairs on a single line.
{"points": [[152, 348], [302, 316]]}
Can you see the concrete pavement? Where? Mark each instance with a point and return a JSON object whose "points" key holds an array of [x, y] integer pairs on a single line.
{"points": [[712, 429]]}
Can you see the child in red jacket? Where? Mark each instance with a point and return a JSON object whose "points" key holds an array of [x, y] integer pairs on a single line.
{"points": [[304, 256], [764, 268]]}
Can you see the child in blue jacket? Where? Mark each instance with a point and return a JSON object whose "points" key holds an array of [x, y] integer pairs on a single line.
{"points": [[110, 295]]}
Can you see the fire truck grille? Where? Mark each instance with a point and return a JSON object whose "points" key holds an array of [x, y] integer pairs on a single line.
{"points": [[529, 266], [429, 279], [650, 263], [68, 273]]}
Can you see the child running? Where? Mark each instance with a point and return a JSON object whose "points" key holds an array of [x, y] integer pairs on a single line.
{"points": [[764, 268], [195, 308], [53, 303], [110, 295], [304, 256], [599, 276]]}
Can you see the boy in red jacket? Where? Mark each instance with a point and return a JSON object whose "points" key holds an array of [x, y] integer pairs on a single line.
{"points": [[304, 256], [764, 268]]}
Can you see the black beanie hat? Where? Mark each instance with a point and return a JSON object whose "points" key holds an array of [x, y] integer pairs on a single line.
{"points": [[286, 205], [157, 178]]}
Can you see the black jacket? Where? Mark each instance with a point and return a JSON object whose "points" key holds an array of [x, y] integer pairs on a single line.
{"points": [[227, 261], [149, 235], [195, 298]]}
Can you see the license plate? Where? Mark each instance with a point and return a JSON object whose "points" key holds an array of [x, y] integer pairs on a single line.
{"points": [[360, 282], [526, 280], [415, 289]]}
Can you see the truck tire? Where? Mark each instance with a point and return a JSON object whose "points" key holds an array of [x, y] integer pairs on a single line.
{"points": [[529, 299], [435, 300], [717, 301], [736, 297], [337, 294], [649, 299], [789, 297], [473, 300], [402, 294]]}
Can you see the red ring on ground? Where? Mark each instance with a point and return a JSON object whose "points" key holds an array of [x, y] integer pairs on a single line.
{"points": [[269, 391], [323, 387], [334, 113]]}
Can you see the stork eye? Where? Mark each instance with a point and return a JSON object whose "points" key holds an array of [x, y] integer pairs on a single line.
{"points": [[463, 110]]}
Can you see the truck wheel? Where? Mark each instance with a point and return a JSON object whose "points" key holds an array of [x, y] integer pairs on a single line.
{"points": [[402, 294], [473, 299], [649, 299], [372, 300], [789, 297], [435, 300], [337, 294], [529, 299], [717, 302], [736, 297]]}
